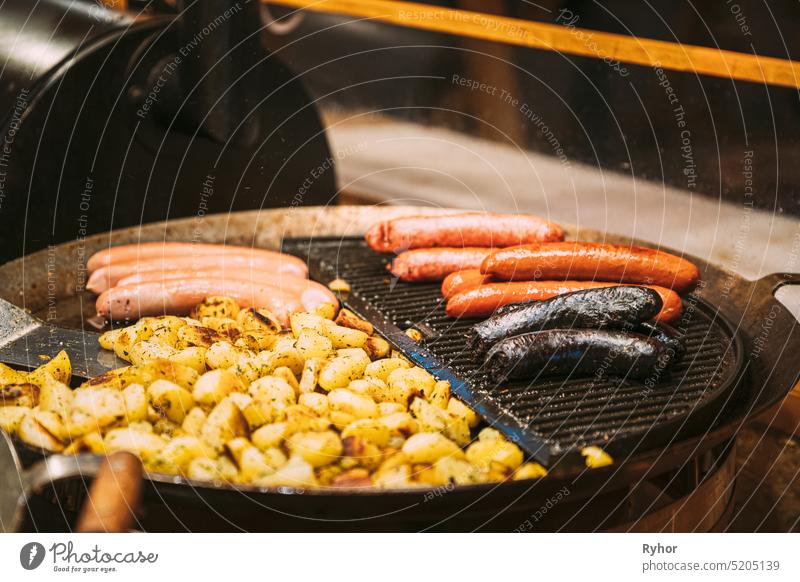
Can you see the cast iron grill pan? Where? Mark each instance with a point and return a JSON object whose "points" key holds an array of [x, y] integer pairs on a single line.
{"points": [[549, 417]]}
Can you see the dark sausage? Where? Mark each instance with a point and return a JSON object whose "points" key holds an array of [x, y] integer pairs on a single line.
{"points": [[574, 353], [617, 307]]}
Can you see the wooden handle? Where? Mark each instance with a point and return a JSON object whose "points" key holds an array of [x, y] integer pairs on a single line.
{"points": [[113, 496]]}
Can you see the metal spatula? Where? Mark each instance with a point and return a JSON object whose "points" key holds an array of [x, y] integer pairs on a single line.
{"points": [[113, 496], [24, 339]]}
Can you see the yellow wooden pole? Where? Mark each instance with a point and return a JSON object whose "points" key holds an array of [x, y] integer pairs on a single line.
{"points": [[566, 39]]}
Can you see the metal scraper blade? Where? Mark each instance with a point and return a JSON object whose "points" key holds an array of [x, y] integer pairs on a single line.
{"points": [[27, 342]]}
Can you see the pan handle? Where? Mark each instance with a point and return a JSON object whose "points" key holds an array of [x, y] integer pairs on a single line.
{"points": [[777, 280], [113, 496]]}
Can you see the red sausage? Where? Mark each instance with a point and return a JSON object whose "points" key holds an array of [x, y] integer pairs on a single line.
{"points": [[178, 296], [463, 280], [473, 229], [591, 262], [436, 264], [162, 250], [108, 276], [484, 300]]}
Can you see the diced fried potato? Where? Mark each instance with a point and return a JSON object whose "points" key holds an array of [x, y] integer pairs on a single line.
{"points": [[193, 422], [148, 373], [213, 386], [273, 390], [429, 447], [170, 400], [317, 448], [310, 376], [284, 354], [347, 366], [216, 306], [314, 401], [206, 469], [221, 354], [299, 321], [312, 344], [297, 472], [11, 417], [269, 436], [382, 368], [193, 357], [197, 335], [458, 408], [339, 286], [257, 340], [261, 412], [9, 375], [55, 396], [414, 334], [483, 453], [302, 419], [359, 406], [389, 408], [530, 471], [260, 320], [224, 423], [148, 350], [42, 429], [440, 395], [343, 337], [26, 394], [369, 429], [377, 347], [596, 457], [347, 318], [104, 405], [58, 367], [326, 310], [394, 477], [136, 403], [400, 424], [182, 450]]}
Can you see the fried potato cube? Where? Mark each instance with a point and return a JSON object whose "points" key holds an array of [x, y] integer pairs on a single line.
{"points": [[43, 429], [26, 394], [344, 337], [400, 424], [394, 477], [213, 386], [182, 450], [194, 421], [458, 471], [55, 396], [339, 371], [192, 357], [347, 318], [342, 400], [260, 320], [225, 422], [483, 453], [221, 355], [389, 408], [368, 429], [357, 451], [318, 403], [146, 351], [9, 375], [310, 376], [326, 310], [312, 344], [104, 406], [377, 347], [429, 447], [299, 321], [144, 444], [530, 471], [297, 472], [257, 340], [440, 395], [11, 417], [457, 408], [58, 367], [269, 436], [216, 306], [596, 457], [148, 373], [317, 448], [273, 390], [170, 400]]}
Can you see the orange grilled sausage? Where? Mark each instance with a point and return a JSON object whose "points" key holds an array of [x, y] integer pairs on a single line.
{"points": [[463, 280], [591, 262], [164, 251], [472, 229], [484, 300], [436, 264]]}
